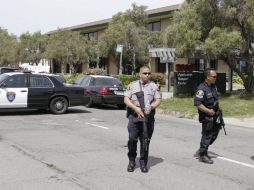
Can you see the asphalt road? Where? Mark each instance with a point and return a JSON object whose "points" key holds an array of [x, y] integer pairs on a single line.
{"points": [[86, 149]]}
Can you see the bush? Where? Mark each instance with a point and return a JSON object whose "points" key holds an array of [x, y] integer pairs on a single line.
{"points": [[158, 77], [70, 78], [126, 79], [237, 80], [95, 71]]}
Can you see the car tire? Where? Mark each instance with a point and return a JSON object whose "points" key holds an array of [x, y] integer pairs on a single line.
{"points": [[121, 106], [58, 105]]}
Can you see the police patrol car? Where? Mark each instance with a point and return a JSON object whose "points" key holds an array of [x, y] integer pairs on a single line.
{"points": [[39, 91]]}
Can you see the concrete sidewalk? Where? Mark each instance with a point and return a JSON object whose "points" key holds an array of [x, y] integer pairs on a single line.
{"points": [[241, 122]]}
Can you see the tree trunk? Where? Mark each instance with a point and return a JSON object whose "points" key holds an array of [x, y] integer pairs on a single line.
{"points": [[248, 79]]}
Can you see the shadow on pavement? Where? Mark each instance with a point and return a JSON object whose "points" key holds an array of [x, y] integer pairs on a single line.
{"points": [[152, 161], [107, 107], [213, 154], [252, 158]]}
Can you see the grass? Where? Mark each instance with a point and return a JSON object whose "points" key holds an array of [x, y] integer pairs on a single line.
{"points": [[232, 105]]}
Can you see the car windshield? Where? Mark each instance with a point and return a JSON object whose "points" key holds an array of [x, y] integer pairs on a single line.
{"points": [[3, 77], [107, 82]]}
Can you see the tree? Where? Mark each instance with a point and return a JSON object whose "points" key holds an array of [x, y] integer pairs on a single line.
{"points": [[67, 47], [8, 48], [128, 29], [32, 47], [221, 28]]}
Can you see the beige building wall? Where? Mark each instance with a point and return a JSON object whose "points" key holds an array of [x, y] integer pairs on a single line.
{"points": [[100, 32], [165, 23], [223, 67]]}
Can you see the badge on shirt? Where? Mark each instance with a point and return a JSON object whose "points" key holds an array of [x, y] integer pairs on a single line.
{"points": [[200, 94]]}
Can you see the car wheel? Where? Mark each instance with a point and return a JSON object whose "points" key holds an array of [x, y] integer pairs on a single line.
{"points": [[121, 106], [58, 105]]}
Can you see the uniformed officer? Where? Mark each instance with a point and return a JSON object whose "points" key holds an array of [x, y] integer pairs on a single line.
{"points": [[204, 100], [152, 101]]}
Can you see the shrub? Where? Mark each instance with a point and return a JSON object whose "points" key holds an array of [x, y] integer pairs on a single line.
{"points": [[95, 71], [70, 78], [158, 77], [237, 80], [126, 79]]}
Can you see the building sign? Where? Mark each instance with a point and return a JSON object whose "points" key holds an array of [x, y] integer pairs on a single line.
{"points": [[184, 83], [187, 82]]}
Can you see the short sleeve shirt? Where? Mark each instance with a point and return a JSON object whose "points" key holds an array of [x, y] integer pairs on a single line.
{"points": [[150, 92], [206, 95]]}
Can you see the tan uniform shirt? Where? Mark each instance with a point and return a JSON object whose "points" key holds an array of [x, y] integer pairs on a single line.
{"points": [[150, 92]]}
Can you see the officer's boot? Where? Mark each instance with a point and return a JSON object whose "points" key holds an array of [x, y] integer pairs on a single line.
{"points": [[197, 154], [205, 159], [143, 167], [131, 166]]}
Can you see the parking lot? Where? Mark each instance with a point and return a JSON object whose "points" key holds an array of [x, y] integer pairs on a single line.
{"points": [[86, 149]]}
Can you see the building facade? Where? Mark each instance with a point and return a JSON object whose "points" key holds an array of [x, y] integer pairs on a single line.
{"points": [[158, 20]]}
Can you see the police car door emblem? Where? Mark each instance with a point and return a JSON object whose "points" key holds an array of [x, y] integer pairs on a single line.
{"points": [[11, 96]]}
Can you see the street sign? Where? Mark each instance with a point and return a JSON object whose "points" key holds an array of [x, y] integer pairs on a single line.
{"points": [[119, 48]]}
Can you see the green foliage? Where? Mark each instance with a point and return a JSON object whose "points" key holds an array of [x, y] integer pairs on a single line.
{"points": [[67, 47], [158, 77], [32, 47], [70, 78], [184, 106], [126, 79], [8, 48], [128, 29], [222, 29], [237, 80], [95, 71]]}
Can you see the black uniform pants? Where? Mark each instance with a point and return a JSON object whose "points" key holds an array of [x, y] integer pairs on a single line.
{"points": [[135, 132], [209, 135]]}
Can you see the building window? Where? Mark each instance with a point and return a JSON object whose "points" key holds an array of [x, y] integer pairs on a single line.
{"points": [[154, 26], [92, 35], [202, 64]]}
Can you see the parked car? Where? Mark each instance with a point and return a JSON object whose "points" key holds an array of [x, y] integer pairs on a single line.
{"points": [[102, 89], [7, 70], [39, 91]]}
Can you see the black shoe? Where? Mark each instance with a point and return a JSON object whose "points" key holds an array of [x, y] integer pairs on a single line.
{"points": [[143, 168], [205, 159], [197, 154], [131, 166]]}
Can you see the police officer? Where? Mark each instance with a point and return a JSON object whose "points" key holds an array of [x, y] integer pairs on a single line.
{"points": [[204, 100], [152, 101]]}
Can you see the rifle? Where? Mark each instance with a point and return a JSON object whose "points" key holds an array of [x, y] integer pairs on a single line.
{"points": [[219, 114], [144, 120]]}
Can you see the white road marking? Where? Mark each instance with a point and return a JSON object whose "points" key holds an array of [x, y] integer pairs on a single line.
{"points": [[97, 125], [236, 162]]}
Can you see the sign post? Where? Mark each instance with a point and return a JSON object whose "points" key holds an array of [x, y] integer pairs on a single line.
{"points": [[119, 49], [167, 56]]}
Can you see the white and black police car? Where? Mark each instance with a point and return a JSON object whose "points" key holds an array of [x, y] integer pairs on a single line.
{"points": [[39, 91]]}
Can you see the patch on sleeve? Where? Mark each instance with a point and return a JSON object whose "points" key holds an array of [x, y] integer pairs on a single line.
{"points": [[200, 94]]}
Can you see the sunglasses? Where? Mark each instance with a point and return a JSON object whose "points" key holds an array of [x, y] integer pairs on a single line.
{"points": [[214, 77], [146, 73]]}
